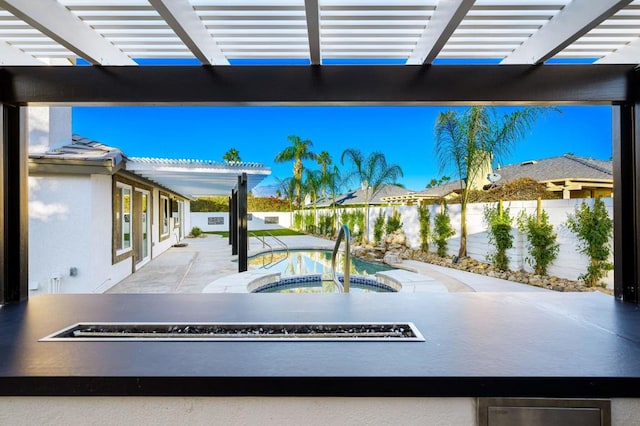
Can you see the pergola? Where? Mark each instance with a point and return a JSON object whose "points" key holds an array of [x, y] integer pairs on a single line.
{"points": [[412, 32], [428, 42]]}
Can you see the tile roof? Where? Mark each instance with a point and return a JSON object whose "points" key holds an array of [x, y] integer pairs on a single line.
{"points": [[558, 168], [184, 176], [82, 148], [562, 167], [357, 196]]}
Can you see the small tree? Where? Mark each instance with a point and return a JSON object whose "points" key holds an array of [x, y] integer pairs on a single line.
{"points": [[500, 237], [378, 227], [542, 246], [594, 229], [232, 156], [425, 227], [394, 222], [298, 220], [359, 226], [442, 230]]}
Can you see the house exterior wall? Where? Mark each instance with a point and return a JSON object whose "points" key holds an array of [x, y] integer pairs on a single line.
{"points": [[105, 273], [256, 410], [71, 226], [48, 127], [59, 232]]}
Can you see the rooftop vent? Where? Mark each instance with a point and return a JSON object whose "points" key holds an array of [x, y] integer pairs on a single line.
{"points": [[528, 163]]}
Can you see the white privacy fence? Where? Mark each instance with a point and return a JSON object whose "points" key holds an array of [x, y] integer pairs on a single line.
{"points": [[569, 263], [219, 221]]}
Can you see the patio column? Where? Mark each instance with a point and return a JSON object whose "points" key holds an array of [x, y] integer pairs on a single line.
{"points": [[626, 201], [14, 219], [242, 223], [233, 222]]}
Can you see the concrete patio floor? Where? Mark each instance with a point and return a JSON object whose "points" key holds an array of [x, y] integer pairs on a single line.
{"points": [[207, 262]]}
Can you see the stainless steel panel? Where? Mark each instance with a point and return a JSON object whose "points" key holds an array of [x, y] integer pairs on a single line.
{"points": [[543, 416]]}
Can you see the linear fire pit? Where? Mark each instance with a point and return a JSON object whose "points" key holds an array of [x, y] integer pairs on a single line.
{"points": [[160, 331]]}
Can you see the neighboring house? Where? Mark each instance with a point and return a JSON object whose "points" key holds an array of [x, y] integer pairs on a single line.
{"points": [[96, 216], [357, 197], [573, 176]]}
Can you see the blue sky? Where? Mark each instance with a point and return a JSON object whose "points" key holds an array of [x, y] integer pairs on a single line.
{"points": [[404, 133]]}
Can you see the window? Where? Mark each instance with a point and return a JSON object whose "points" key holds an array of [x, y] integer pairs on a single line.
{"points": [[176, 212], [123, 212], [165, 213]]}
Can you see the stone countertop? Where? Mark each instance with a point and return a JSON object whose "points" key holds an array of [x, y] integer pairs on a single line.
{"points": [[477, 344]]}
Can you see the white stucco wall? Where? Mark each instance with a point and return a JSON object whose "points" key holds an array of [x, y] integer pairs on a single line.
{"points": [[201, 220], [49, 128], [259, 411], [70, 227], [59, 231]]}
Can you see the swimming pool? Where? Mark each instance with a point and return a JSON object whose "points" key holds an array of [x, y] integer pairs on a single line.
{"points": [[306, 262]]}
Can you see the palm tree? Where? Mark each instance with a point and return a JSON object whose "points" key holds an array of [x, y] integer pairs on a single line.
{"points": [[298, 150], [288, 189], [313, 186], [324, 161], [372, 172], [334, 183], [471, 140], [232, 156]]}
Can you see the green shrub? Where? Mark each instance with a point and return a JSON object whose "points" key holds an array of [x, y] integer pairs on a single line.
{"points": [[542, 246], [594, 229], [210, 204], [500, 237], [442, 230], [298, 220], [196, 232], [325, 224], [220, 203], [378, 227], [354, 220], [425, 227], [347, 218], [358, 224], [309, 225], [394, 222]]}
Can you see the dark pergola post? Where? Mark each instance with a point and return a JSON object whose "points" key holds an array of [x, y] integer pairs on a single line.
{"points": [[242, 223], [233, 222], [14, 220], [626, 201]]}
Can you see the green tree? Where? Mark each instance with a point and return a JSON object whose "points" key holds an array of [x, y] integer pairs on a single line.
{"points": [[543, 248], [500, 237], [334, 183], [232, 156], [378, 227], [313, 186], [442, 230], [298, 151], [288, 190], [324, 161], [424, 218], [394, 222], [594, 229], [437, 182], [471, 139], [372, 172]]}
